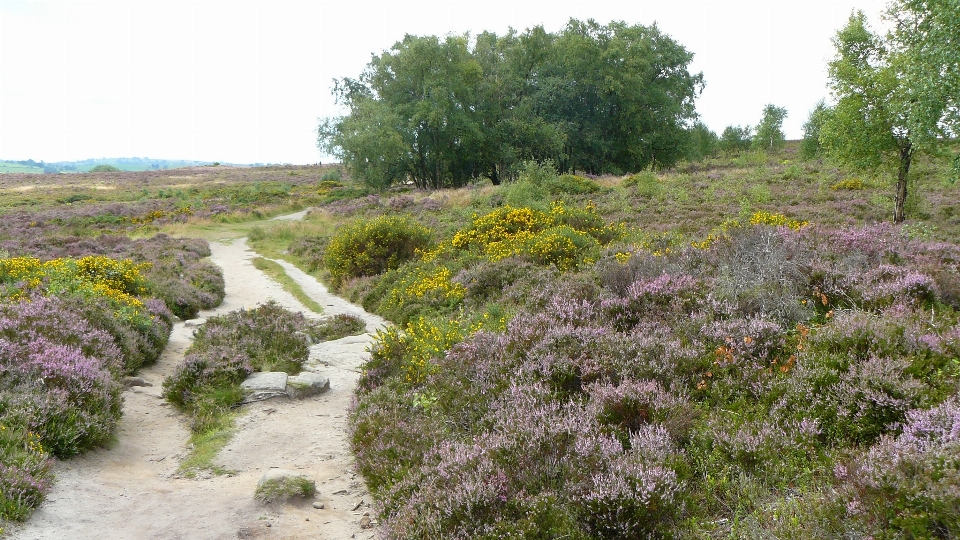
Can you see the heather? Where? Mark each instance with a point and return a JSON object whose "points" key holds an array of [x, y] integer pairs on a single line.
{"points": [[638, 384], [229, 347], [69, 329]]}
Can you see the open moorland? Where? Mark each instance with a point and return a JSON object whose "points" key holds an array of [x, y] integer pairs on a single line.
{"points": [[737, 347]]}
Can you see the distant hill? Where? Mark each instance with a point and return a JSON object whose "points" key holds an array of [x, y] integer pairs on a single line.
{"points": [[124, 164]]}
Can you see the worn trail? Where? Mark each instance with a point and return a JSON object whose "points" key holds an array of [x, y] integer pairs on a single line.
{"points": [[132, 490]]}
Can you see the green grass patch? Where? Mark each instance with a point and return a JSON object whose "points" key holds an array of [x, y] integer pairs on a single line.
{"points": [[276, 272], [206, 445]]}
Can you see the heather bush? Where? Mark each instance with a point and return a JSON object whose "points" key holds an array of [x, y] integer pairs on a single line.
{"points": [[227, 348], [25, 474], [673, 388], [366, 248], [907, 485]]}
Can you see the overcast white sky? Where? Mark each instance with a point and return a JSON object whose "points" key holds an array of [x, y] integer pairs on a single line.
{"points": [[245, 82]]}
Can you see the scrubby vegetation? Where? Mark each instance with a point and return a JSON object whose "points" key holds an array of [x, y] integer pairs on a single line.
{"points": [[69, 329], [686, 360], [228, 348], [732, 347]]}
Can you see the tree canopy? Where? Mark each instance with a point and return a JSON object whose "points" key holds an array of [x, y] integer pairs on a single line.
{"points": [[440, 112], [769, 136], [895, 94]]}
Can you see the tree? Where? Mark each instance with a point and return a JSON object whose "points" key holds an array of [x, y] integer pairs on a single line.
{"points": [[703, 142], [735, 139], [810, 144], [769, 135], [442, 112], [898, 94]]}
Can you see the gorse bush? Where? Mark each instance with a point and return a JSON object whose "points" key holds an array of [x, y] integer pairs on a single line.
{"points": [[545, 237], [366, 248]]}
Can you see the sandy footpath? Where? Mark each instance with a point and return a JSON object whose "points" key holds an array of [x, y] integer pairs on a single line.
{"points": [[131, 490]]}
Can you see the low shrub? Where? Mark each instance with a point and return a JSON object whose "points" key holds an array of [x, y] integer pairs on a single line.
{"points": [[227, 348], [646, 184], [572, 185], [906, 486], [280, 489], [850, 184], [366, 248], [25, 471]]}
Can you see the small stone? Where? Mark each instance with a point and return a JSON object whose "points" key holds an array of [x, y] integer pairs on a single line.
{"points": [[365, 523], [134, 381], [195, 322], [358, 505], [269, 525], [318, 505]]}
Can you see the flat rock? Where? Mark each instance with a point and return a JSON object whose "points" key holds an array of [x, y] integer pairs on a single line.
{"points": [[340, 352], [195, 322], [265, 385], [306, 384]]}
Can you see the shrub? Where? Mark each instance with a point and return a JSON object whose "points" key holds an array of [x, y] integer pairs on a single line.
{"points": [[25, 471], [104, 168], [572, 184], [226, 350], [367, 248], [850, 184], [646, 183], [907, 485]]}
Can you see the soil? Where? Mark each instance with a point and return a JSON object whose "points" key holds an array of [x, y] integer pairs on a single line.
{"points": [[132, 490]]}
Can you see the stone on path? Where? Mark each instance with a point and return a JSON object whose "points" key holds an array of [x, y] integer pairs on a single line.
{"points": [[266, 385], [306, 384], [281, 484], [134, 381]]}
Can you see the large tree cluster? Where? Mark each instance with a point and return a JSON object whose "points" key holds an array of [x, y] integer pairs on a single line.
{"points": [[442, 111]]}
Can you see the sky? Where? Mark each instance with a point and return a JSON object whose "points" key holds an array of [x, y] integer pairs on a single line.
{"points": [[247, 81]]}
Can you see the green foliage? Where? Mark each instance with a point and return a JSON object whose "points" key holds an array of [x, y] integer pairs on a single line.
{"points": [[573, 185], [810, 146], [333, 175], [896, 94], [105, 168], [646, 183], [735, 139], [769, 136], [704, 143], [442, 112], [368, 248]]}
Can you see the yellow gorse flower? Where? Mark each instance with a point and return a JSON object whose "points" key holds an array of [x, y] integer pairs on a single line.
{"points": [[119, 280]]}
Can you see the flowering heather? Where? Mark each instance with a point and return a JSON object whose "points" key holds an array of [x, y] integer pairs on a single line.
{"points": [[692, 388], [25, 474], [231, 346], [71, 400], [907, 485]]}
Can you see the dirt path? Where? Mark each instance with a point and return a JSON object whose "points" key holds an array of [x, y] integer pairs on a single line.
{"points": [[131, 490]]}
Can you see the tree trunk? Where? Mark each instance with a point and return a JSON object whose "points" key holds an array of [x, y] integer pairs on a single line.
{"points": [[906, 152]]}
